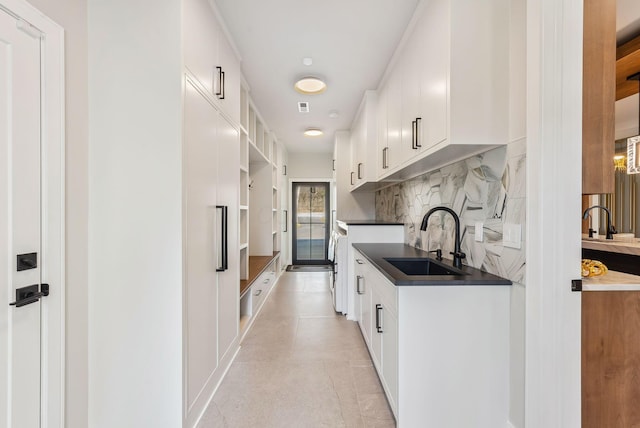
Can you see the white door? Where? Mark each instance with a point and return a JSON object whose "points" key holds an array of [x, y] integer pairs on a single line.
{"points": [[20, 223]]}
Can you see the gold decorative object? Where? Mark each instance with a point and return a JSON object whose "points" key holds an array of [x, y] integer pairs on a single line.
{"points": [[620, 162], [591, 268]]}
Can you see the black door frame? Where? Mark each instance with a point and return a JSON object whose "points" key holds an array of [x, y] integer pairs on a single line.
{"points": [[294, 222]]}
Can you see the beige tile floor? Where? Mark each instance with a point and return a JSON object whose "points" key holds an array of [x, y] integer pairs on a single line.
{"points": [[300, 366]]}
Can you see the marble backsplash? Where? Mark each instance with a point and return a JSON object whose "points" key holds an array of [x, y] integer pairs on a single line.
{"points": [[487, 188]]}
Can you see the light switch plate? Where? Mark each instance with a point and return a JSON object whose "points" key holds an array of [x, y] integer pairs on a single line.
{"points": [[512, 235], [479, 231]]}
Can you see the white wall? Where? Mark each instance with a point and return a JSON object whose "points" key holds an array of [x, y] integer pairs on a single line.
{"points": [[72, 16], [310, 165], [135, 274]]}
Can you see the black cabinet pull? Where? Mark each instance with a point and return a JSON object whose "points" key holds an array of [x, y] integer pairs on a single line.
{"points": [[359, 171], [413, 135], [352, 178], [379, 318], [219, 92], [334, 165], [418, 145], [284, 170], [358, 289], [30, 294], [222, 84], [286, 221], [224, 242]]}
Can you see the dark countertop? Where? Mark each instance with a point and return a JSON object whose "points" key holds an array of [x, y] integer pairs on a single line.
{"points": [[370, 223], [376, 254]]}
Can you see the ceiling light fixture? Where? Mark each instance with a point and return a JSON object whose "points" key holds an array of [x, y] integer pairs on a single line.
{"points": [[313, 132], [310, 86]]}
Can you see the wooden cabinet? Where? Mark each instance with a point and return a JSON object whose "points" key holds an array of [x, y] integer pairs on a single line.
{"points": [[447, 93], [441, 351], [210, 58], [598, 96], [610, 355]]}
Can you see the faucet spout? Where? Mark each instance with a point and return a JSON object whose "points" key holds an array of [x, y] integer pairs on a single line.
{"points": [[611, 229], [458, 255]]}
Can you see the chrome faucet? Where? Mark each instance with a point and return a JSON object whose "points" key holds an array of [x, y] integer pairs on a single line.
{"points": [[611, 230], [458, 255]]}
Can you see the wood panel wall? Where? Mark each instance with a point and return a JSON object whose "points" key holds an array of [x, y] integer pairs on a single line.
{"points": [[610, 359], [598, 96]]}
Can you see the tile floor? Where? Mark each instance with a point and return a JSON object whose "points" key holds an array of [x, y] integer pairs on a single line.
{"points": [[300, 366]]}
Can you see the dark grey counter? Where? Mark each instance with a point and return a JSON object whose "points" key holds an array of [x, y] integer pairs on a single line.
{"points": [[376, 254], [370, 223]]}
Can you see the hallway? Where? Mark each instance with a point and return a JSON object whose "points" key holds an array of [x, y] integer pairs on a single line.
{"points": [[300, 366]]}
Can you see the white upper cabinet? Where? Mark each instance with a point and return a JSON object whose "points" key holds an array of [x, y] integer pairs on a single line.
{"points": [[210, 57], [364, 143], [447, 92]]}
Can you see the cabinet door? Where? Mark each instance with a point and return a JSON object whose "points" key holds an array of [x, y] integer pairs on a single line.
{"points": [[200, 41], [228, 159], [200, 237], [410, 103], [434, 82], [390, 355], [394, 119], [230, 66], [377, 322], [381, 122]]}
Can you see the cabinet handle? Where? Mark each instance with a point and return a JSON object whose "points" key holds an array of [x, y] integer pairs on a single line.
{"points": [[222, 84], [352, 178], [358, 289], [258, 292], [286, 221], [219, 92], [413, 135], [379, 318], [385, 161], [418, 145], [284, 170], [360, 262], [223, 254], [359, 171], [334, 165]]}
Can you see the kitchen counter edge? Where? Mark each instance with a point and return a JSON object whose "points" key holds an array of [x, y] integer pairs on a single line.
{"points": [[376, 253]]}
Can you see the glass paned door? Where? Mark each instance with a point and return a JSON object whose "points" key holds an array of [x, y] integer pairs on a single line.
{"points": [[311, 215]]}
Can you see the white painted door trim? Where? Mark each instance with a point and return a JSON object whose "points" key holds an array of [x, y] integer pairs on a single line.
{"points": [[53, 206], [554, 171]]}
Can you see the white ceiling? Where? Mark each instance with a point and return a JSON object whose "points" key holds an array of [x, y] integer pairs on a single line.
{"points": [[350, 42]]}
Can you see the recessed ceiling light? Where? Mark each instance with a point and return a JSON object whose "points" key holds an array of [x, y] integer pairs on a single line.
{"points": [[333, 114], [307, 61], [313, 132], [310, 86]]}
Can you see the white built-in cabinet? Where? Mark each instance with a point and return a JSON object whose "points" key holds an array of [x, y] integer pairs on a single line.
{"points": [[261, 212], [210, 243], [441, 351], [214, 205], [445, 95], [363, 142], [210, 58]]}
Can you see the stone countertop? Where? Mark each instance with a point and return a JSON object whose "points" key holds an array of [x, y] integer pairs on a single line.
{"points": [[626, 246], [376, 254], [612, 281]]}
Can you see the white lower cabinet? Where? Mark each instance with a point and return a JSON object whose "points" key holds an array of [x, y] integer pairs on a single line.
{"points": [[441, 352]]}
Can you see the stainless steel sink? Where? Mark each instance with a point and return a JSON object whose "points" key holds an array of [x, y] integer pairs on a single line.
{"points": [[422, 266]]}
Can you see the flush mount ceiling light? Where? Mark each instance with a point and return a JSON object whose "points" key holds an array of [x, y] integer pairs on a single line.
{"points": [[310, 86], [313, 132]]}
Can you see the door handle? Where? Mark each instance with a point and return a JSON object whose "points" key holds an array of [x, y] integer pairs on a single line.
{"points": [[30, 294], [379, 318]]}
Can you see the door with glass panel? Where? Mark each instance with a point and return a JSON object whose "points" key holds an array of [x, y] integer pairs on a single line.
{"points": [[311, 223]]}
